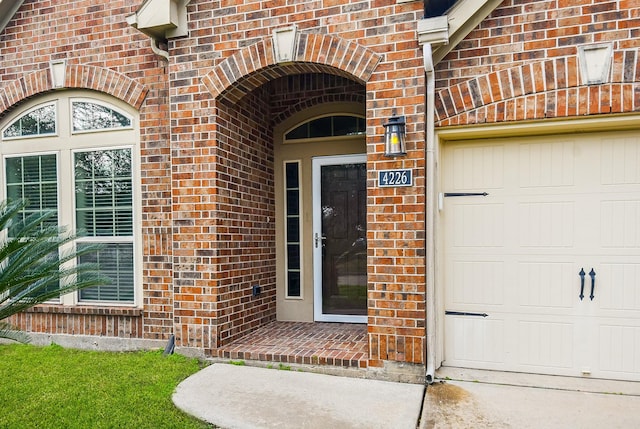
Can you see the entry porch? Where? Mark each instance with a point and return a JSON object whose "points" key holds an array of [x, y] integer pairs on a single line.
{"points": [[306, 343]]}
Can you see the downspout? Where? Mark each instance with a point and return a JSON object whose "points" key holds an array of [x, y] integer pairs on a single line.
{"points": [[430, 214], [156, 49]]}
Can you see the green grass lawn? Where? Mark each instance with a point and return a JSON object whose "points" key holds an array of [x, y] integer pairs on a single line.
{"points": [[53, 387]]}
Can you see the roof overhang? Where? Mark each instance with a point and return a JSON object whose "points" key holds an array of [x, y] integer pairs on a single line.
{"points": [[443, 33], [8, 8]]}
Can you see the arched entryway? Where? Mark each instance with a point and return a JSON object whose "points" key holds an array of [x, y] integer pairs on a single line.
{"points": [[256, 110], [269, 142]]}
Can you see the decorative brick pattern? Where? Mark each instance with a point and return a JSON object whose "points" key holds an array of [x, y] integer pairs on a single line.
{"points": [[76, 76], [522, 63], [548, 89], [314, 53]]}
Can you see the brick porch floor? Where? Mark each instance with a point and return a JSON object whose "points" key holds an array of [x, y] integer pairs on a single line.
{"points": [[337, 344]]}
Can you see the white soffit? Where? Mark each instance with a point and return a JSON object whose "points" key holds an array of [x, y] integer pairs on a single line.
{"points": [[464, 16], [8, 8]]}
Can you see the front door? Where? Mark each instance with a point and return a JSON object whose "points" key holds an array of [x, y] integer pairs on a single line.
{"points": [[340, 238]]}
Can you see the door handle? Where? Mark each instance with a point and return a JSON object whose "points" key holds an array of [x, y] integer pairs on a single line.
{"points": [[319, 239], [592, 274], [581, 274]]}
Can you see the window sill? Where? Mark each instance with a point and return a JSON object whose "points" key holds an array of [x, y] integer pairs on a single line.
{"points": [[90, 310]]}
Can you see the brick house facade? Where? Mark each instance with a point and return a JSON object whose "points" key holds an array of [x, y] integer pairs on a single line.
{"points": [[211, 119]]}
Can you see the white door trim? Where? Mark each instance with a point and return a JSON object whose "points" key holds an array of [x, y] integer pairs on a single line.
{"points": [[317, 163]]}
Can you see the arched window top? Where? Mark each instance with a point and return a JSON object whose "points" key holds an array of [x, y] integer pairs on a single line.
{"points": [[328, 126], [89, 115], [38, 121]]}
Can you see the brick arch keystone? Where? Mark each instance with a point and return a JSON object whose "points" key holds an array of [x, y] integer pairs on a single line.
{"points": [[76, 76], [545, 89], [255, 65]]}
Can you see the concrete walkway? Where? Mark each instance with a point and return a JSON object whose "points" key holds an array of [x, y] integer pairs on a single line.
{"points": [[246, 397], [491, 399]]}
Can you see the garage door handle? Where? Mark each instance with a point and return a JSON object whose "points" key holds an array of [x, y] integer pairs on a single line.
{"points": [[581, 274], [592, 274]]}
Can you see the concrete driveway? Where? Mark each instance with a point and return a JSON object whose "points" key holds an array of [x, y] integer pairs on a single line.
{"points": [[488, 399]]}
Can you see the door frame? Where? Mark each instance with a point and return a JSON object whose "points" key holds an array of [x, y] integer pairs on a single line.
{"points": [[317, 163]]}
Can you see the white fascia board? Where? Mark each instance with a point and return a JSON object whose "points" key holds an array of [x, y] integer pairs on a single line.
{"points": [[8, 8], [464, 16]]}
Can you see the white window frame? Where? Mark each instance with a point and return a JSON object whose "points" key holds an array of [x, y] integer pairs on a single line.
{"points": [[65, 143], [99, 103], [4, 234], [25, 113], [111, 239], [300, 228]]}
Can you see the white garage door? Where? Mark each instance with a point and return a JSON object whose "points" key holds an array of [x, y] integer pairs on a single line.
{"points": [[556, 207]]}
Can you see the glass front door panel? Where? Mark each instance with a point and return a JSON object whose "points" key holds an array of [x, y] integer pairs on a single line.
{"points": [[344, 231]]}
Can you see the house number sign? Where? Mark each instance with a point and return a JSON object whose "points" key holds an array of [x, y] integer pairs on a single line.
{"points": [[395, 178]]}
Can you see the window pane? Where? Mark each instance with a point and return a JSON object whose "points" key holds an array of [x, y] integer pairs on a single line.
{"points": [[33, 178], [41, 121], [347, 125], [292, 225], [301, 132], [329, 126], [115, 260], [293, 283], [91, 116], [320, 127], [293, 256], [293, 229], [293, 202], [104, 195], [291, 174]]}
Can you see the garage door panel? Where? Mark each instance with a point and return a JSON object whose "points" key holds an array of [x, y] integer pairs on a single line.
{"points": [[620, 161], [467, 289], [479, 225], [479, 166], [619, 351], [546, 164], [475, 339], [546, 344], [620, 223], [617, 289], [546, 224], [544, 286]]}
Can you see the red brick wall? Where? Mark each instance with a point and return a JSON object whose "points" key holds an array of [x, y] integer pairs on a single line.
{"points": [[229, 50], [207, 186], [102, 53], [522, 63]]}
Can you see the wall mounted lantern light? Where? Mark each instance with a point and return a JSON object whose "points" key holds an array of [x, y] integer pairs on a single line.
{"points": [[394, 136]]}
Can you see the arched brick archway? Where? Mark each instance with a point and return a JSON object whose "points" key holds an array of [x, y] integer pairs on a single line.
{"points": [[545, 89], [255, 65], [75, 76]]}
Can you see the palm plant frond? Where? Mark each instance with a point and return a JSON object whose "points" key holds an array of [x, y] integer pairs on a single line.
{"points": [[10, 333], [33, 269]]}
